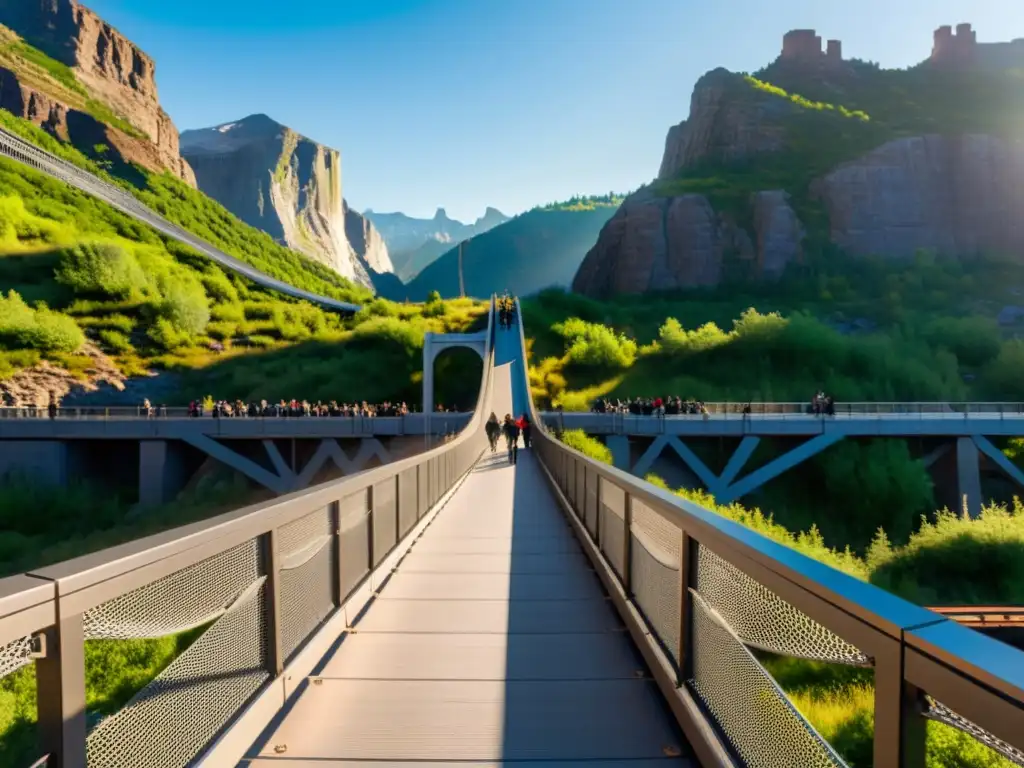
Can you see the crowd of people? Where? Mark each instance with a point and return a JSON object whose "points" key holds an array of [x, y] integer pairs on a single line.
{"points": [[282, 409], [506, 312], [820, 405], [650, 406], [511, 429]]}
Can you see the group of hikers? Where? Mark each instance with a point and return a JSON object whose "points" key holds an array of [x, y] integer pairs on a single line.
{"points": [[511, 429], [506, 311], [651, 406], [285, 408], [822, 405]]}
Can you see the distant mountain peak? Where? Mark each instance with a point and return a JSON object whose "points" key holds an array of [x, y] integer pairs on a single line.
{"points": [[441, 215]]}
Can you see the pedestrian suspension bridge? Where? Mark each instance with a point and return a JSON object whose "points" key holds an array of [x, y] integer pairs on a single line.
{"points": [[450, 609]]}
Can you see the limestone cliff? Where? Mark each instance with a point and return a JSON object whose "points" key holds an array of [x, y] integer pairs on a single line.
{"points": [[285, 184], [107, 90]]}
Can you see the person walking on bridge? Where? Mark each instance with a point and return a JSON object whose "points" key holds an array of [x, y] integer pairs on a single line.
{"points": [[493, 429], [511, 432], [524, 427]]}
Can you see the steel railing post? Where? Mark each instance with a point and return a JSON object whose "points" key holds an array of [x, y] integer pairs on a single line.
{"points": [[272, 568], [335, 513], [899, 726], [627, 546], [369, 528], [60, 681], [687, 579]]}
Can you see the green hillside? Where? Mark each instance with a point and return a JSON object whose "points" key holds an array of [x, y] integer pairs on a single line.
{"points": [[538, 249], [86, 285]]}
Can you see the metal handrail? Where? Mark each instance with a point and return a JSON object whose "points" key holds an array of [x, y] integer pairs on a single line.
{"points": [[50, 603], [940, 409], [16, 148], [915, 652]]}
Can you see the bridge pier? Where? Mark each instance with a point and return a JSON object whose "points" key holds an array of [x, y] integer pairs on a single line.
{"points": [[619, 446], [163, 471], [46, 461], [958, 478]]}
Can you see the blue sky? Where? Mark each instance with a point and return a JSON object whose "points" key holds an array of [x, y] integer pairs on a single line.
{"points": [[467, 103]]}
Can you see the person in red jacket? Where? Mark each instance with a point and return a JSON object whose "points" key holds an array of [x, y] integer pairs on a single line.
{"points": [[524, 428]]}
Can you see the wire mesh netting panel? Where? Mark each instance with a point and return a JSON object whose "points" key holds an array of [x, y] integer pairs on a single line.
{"points": [[406, 501], [186, 599], [613, 523], [655, 555], [173, 718], [764, 620], [385, 526], [353, 540], [752, 711], [935, 710], [306, 578], [590, 502], [15, 655]]}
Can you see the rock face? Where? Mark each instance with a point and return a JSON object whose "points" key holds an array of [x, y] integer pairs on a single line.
{"points": [[111, 68], [661, 243], [722, 128], [366, 241], [285, 184], [955, 196], [414, 244]]}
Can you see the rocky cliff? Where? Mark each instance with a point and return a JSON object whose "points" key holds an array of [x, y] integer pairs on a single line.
{"points": [[287, 185], [723, 127], [414, 244], [657, 243], [954, 195], [366, 241], [753, 160], [100, 88]]}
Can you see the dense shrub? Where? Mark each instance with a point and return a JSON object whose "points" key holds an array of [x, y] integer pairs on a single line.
{"points": [[591, 344], [184, 305], [103, 269], [585, 444], [22, 327], [115, 341]]}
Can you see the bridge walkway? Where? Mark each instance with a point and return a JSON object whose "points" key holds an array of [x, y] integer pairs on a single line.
{"points": [[491, 643]]}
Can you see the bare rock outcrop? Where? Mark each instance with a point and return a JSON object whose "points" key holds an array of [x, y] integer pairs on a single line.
{"points": [[951, 195], [367, 242], [728, 122], [656, 243], [111, 68], [283, 183]]}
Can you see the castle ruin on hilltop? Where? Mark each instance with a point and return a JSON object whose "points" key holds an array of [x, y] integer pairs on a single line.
{"points": [[953, 49], [803, 46], [961, 50]]}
